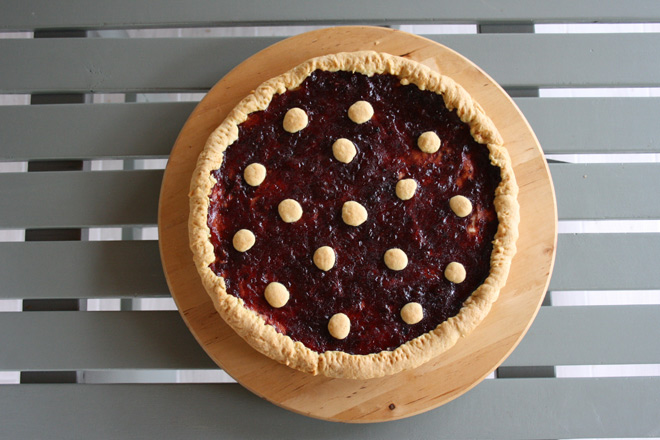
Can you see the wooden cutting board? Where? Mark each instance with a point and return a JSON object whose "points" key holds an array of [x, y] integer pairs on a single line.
{"points": [[407, 393]]}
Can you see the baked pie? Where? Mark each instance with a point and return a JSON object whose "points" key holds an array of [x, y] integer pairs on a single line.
{"points": [[354, 216]]}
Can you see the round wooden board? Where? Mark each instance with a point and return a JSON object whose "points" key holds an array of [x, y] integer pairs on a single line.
{"points": [[410, 392]]}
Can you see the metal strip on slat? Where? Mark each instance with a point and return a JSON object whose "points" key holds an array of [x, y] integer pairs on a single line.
{"points": [[170, 64], [496, 409], [19, 15], [137, 130]]}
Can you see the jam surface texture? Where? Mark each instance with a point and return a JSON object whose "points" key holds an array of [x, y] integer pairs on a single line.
{"points": [[301, 166]]}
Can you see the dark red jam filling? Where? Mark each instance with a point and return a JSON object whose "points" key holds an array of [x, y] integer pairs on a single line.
{"points": [[301, 166]]}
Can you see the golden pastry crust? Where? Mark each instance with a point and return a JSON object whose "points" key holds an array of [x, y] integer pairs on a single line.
{"points": [[265, 338]]}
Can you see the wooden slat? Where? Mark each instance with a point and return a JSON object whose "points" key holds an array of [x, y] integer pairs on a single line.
{"points": [[594, 125], [561, 60], [159, 64], [591, 336], [607, 262], [496, 409], [101, 269], [121, 65], [607, 191], [132, 269], [79, 198], [90, 131], [137, 130], [98, 340], [159, 340], [125, 13]]}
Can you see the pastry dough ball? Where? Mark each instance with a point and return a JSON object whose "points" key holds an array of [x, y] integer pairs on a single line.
{"points": [[324, 258], [243, 240], [360, 112], [339, 326], [396, 259], [461, 206], [412, 313], [295, 120], [455, 272], [254, 174], [290, 210], [405, 189], [428, 142], [353, 213], [276, 294], [344, 150]]}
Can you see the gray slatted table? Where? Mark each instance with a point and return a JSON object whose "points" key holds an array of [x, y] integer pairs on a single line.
{"points": [[57, 270]]}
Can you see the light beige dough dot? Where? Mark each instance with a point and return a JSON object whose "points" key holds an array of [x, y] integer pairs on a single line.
{"points": [[461, 206], [405, 189], [396, 259], [324, 258], [353, 213], [344, 150], [295, 120], [254, 174], [455, 272], [412, 313], [276, 294], [290, 210], [243, 240], [428, 142], [360, 112], [339, 326]]}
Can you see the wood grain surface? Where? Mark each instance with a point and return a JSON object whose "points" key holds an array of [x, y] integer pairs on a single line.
{"points": [[410, 392]]}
